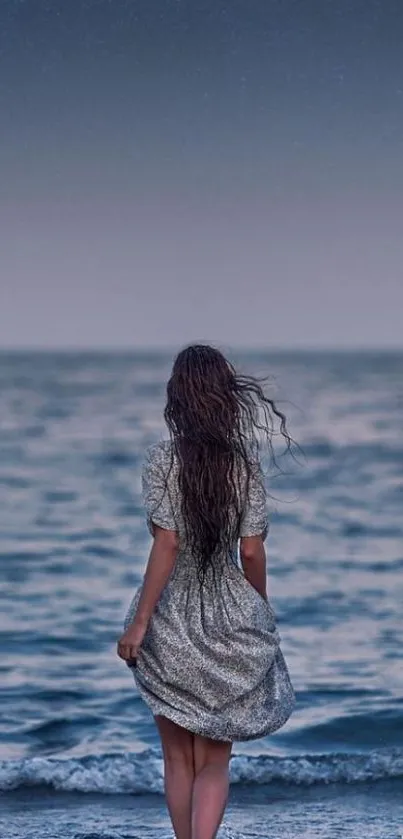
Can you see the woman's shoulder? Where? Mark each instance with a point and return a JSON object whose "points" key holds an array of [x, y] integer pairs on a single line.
{"points": [[158, 453], [162, 453]]}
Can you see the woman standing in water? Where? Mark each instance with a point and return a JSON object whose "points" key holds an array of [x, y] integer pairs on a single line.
{"points": [[200, 634]]}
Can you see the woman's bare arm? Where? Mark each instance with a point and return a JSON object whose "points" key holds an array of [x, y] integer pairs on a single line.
{"points": [[253, 561], [159, 568]]}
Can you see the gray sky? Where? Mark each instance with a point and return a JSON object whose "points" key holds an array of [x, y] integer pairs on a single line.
{"points": [[176, 171]]}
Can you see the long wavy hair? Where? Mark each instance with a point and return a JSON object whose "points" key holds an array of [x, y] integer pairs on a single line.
{"points": [[215, 416]]}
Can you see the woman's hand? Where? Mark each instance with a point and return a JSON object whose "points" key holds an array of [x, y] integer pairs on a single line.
{"points": [[131, 641]]}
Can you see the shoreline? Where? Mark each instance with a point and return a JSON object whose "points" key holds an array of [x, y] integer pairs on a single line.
{"points": [[372, 809]]}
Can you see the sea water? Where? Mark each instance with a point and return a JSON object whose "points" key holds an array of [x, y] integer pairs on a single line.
{"points": [[79, 753]]}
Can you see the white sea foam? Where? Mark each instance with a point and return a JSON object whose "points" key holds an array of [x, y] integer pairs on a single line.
{"points": [[143, 773]]}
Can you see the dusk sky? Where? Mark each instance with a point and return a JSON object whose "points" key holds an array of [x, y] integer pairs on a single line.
{"points": [[178, 170]]}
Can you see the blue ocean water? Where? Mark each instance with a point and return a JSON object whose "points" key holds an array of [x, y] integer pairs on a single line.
{"points": [[79, 753]]}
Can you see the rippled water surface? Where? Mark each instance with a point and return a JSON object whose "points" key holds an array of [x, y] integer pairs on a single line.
{"points": [[76, 742]]}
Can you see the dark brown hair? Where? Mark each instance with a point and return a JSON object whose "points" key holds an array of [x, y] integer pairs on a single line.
{"points": [[215, 416]]}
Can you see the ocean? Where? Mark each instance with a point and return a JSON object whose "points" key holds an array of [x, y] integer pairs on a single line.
{"points": [[79, 753]]}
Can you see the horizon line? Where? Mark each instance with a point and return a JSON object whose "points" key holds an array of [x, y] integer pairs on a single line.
{"points": [[161, 349]]}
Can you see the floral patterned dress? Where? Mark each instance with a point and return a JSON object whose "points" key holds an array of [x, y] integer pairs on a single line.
{"points": [[211, 662]]}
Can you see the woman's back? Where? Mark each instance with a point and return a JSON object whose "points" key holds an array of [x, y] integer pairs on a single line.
{"points": [[162, 497]]}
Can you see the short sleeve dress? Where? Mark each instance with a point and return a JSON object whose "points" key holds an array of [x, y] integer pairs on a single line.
{"points": [[212, 663]]}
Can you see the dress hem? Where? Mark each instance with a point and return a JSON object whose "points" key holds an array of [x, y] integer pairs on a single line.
{"points": [[159, 709]]}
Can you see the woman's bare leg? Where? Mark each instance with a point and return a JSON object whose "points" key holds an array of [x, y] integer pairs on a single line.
{"points": [[177, 748], [210, 786]]}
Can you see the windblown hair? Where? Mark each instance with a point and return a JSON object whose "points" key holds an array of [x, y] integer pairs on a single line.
{"points": [[215, 416]]}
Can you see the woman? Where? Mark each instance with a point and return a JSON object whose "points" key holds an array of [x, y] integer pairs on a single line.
{"points": [[200, 634]]}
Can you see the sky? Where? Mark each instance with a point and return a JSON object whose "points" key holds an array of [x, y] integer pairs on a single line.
{"points": [[182, 170]]}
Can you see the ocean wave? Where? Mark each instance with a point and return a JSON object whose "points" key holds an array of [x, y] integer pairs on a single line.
{"points": [[138, 774]]}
